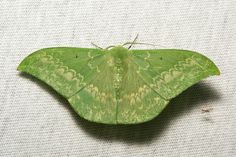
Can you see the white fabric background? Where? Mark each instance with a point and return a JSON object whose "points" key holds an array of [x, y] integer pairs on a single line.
{"points": [[35, 121]]}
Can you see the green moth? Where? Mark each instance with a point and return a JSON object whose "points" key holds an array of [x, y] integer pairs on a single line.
{"points": [[117, 85]]}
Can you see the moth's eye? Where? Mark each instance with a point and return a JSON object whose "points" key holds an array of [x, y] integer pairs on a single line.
{"points": [[76, 56]]}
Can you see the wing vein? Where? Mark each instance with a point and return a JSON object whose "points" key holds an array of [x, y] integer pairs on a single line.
{"points": [[89, 81], [147, 83]]}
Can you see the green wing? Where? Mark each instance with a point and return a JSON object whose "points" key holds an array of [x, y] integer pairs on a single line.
{"points": [[78, 74], [67, 70], [156, 76], [138, 101], [97, 101], [169, 71]]}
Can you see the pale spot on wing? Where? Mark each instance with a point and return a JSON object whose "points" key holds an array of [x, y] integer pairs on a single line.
{"points": [[157, 99], [98, 94], [90, 66], [77, 97], [137, 96], [60, 71], [110, 62], [98, 70], [70, 75], [62, 78], [89, 55], [148, 56]]}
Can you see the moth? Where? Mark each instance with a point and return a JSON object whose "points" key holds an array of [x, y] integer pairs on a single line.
{"points": [[118, 85]]}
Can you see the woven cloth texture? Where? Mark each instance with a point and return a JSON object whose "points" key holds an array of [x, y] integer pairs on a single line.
{"points": [[36, 121]]}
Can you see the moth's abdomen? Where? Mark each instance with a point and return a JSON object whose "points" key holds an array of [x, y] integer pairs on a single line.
{"points": [[118, 73], [117, 60]]}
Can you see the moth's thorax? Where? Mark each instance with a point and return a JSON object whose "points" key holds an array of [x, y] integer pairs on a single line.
{"points": [[118, 57], [119, 52]]}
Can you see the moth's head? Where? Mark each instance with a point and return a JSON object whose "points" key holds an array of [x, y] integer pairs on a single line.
{"points": [[118, 48], [119, 51]]}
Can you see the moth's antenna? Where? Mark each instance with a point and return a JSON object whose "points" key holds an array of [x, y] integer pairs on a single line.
{"points": [[141, 43], [131, 43], [110, 47], [96, 45], [127, 43]]}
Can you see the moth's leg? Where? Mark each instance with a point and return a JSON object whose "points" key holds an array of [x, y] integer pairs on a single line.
{"points": [[131, 43], [155, 45], [96, 46]]}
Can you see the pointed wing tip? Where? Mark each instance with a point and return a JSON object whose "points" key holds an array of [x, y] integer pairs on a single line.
{"points": [[21, 66], [215, 70], [218, 72]]}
